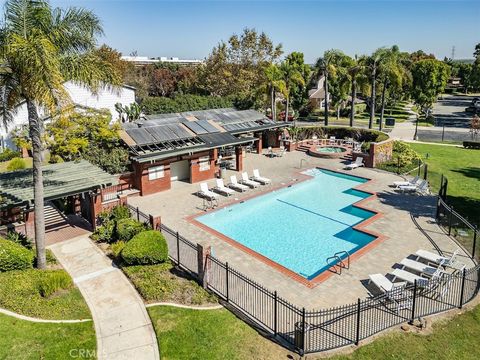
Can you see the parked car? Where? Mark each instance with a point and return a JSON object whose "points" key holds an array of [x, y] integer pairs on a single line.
{"points": [[474, 109]]}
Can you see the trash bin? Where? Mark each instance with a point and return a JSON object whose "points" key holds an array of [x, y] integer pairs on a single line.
{"points": [[300, 333], [390, 122]]}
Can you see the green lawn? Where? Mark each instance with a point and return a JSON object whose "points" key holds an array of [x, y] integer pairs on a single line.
{"points": [[21, 339], [164, 283], [19, 293], [455, 339], [217, 334], [209, 334], [462, 168]]}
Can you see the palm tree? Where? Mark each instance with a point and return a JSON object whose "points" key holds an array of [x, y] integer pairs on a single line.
{"points": [[327, 66], [291, 76], [40, 49], [372, 64], [355, 69], [275, 83]]}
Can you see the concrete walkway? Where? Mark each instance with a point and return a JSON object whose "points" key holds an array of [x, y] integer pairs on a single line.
{"points": [[122, 325]]}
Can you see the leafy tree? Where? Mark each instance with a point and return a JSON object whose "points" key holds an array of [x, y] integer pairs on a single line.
{"points": [[356, 73], [476, 53], [298, 90], [236, 68], [41, 48], [291, 77], [128, 113], [429, 80], [113, 57]]}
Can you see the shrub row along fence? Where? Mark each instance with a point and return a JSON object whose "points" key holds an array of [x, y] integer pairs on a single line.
{"points": [[138, 215], [308, 331]]}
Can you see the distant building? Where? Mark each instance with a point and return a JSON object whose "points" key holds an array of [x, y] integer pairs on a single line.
{"points": [[145, 60], [81, 97], [317, 94]]}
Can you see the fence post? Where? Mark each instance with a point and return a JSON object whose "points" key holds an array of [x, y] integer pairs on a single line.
{"points": [[425, 172], [450, 221], [412, 317], [178, 249], [463, 288], [475, 233], [303, 331], [226, 279], [357, 337], [275, 312], [138, 214], [437, 213], [419, 165], [441, 187]]}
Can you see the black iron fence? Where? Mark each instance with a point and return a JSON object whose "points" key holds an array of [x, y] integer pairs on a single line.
{"points": [[137, 214], [308, 331], [455, 225]]}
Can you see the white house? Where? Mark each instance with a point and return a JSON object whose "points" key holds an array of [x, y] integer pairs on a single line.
{"points": [[80, 96], [317, 94]]}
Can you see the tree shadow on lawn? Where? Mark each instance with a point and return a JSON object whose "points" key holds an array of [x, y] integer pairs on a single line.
{"points": [[471, 172], [468, 207]]}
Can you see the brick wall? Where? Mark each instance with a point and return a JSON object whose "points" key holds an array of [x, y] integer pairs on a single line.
{"points": [[196, 175], [147, 186]]}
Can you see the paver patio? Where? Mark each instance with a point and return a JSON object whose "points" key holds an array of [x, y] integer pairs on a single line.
{"points": [[122, 325], [402, 214]]}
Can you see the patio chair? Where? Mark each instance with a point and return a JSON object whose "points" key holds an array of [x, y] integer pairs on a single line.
{"points": [[446, 261], [421, 268], [355, 164], [221, 188], [234, 184], [206, 193], [407, 183], [246, 181], [415, 188], [409, 277], [262, 180], [383, 283]]}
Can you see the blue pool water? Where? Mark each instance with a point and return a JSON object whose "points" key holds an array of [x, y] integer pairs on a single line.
{"points": [[300, 226]]}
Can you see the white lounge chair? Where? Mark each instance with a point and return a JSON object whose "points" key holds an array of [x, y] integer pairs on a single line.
{"points": [[383, 283], [422, 187], [409, 277], [206, 193], [355, 164], [262, 180], [332, 140], [234, 184], [407, 183], [423, 269], [246, 181], [222, 188], [437, 259]]}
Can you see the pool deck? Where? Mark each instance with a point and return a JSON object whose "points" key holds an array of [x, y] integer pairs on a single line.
{"points": [[405, 224]]}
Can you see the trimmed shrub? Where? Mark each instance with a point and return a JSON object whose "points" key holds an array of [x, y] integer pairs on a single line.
{"points": [[120, 212], [128, 228], [147, 248], [117, 248], [181, 103], [8, 154], [104, 232], [53, 281], [19, 239], [14, 256], [16, 164]]}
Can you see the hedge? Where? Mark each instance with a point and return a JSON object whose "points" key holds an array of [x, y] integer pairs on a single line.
{"points": [[8, 154], [14, 256], [147, 248], [128, 228], [182, 103], [358, 134]]}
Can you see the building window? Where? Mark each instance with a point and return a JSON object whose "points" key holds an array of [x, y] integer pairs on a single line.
{"points": [[156, 172], [204, 163]]}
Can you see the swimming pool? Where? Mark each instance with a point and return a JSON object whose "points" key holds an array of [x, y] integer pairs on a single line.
{"points": [[299, 226]]}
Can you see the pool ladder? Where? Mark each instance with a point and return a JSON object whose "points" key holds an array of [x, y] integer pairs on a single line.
{"points": [[339, 262]]}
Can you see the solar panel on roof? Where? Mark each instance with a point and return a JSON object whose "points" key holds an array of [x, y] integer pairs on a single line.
{"points": [[140, 136], [207, 126], [195, 127]]}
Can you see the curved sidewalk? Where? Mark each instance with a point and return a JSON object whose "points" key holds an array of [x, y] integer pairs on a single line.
{"points": [[122, 325]]}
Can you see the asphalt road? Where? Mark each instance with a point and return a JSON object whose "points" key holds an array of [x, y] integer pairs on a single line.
{"points": [[451, 111]]}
